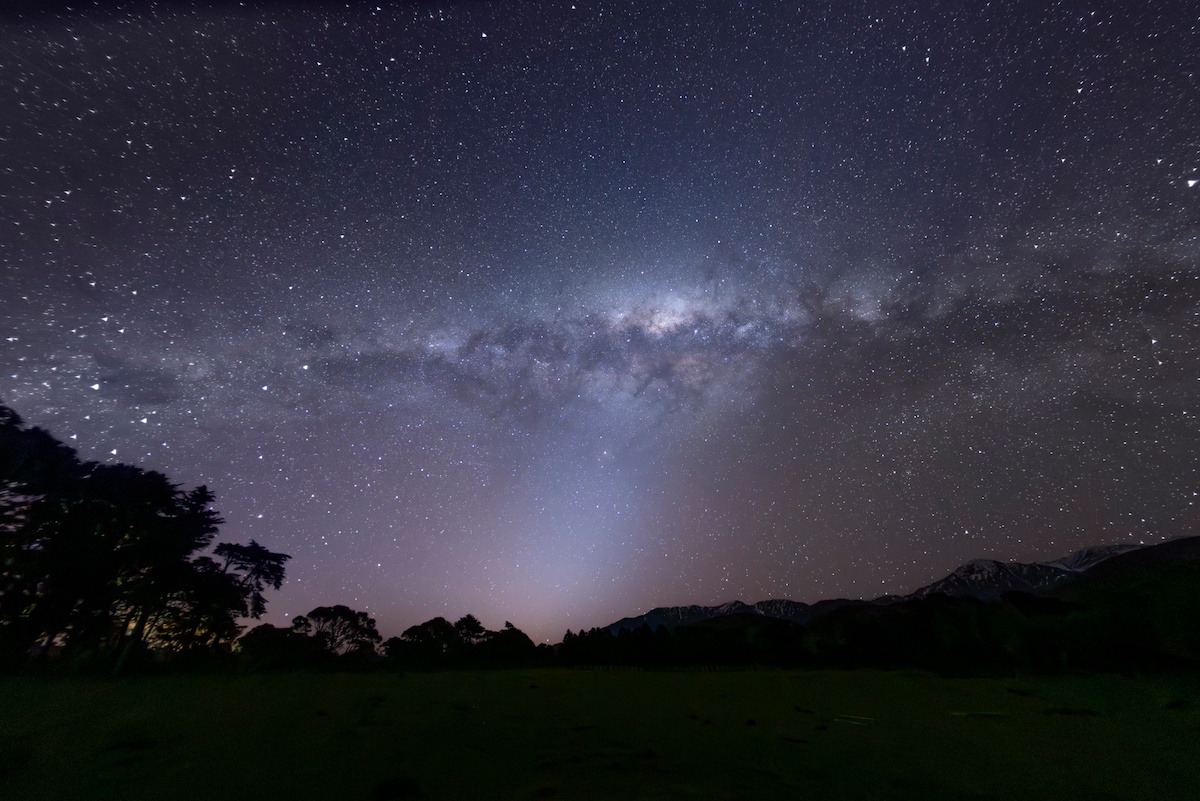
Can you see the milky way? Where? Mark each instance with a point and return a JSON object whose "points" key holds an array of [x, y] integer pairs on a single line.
{"points": [[554, 312]]}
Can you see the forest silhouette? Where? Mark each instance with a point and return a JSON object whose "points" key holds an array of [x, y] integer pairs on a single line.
{"points": [[112, 568]]}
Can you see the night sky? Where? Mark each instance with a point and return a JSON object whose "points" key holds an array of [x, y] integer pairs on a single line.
{"points": [[555, 312]]}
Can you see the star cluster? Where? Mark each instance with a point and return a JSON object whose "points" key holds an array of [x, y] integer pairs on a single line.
{"points": [[553, 312]]}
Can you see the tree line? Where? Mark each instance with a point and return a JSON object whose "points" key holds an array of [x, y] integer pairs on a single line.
{"points": [[341, 638], [108, 567]]}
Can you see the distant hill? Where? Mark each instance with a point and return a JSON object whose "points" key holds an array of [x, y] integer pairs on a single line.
{"points": [[1090, 557], [1111, 608], [1141, 561], [1146, 598], [981, 579], [987, 579], [778, 608]]}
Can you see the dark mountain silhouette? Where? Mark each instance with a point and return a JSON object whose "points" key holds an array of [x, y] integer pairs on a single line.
{"points": [[987, 579], [980, 579], [777, 608], [1140, 602], [1090, 557], [1143, 561]]}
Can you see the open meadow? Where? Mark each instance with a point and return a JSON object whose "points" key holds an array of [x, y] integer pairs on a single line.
{"points": [[526, 734]]}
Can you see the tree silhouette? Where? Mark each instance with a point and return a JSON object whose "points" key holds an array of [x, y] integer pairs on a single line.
{"points": [[509, 646], [339, 629], [437, 643], [160, 534], [257, 568], [109, 551], [204, 610], [436, 635], [433, 643], [36, 472], [268, 647], [470, 630], [202, 613], [104, 560]]}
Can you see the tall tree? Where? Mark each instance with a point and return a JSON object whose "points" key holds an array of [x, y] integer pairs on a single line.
{"points": [[470, 630], [107, 558], [164, 529], [36, 472], [339, 629], [204, 610], [256, 568]]}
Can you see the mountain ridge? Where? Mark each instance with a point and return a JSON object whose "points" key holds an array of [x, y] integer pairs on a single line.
{"points": [[982, 579]]}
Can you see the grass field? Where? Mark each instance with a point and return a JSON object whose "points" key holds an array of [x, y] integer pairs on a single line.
{"points": [[592, 734]]}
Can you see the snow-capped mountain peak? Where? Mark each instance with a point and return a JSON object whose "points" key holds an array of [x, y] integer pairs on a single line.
{"points": [[1087, 558]]}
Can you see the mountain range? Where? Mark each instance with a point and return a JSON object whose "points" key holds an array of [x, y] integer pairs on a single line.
{"points": [[983, 579]]}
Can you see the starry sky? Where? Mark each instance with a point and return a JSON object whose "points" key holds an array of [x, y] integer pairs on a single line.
{"points": [[554, 312]]}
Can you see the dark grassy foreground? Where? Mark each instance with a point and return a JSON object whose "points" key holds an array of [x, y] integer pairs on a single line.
{"points": [[590, 734]]}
